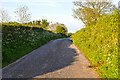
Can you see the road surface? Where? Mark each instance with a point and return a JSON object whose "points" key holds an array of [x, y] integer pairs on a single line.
{"points": [[56, 59]]}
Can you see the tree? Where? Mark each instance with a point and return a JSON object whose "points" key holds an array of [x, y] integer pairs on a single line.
{"points": [[38, 22], [53, 27], [61, 29], [22, 14], [89, 12], [44, 24], [30, 23], [33, 22], [4, 15]]}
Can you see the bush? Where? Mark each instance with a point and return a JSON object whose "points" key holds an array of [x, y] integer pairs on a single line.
{"points": [[61, 29], [19, 40], [69, 34], [99, 43]]}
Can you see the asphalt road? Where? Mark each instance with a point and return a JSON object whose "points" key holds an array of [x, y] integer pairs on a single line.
{"points": [[56, 59]]}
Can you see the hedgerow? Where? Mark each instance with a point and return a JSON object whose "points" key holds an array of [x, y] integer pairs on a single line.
{"points": [[99, 43], [18, 40]]}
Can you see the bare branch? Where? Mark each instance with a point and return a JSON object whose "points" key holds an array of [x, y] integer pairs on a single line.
{"points": [[4, 16], [22, 14]]}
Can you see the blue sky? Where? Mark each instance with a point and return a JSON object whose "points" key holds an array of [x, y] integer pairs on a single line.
{"points": [[52, 10]]}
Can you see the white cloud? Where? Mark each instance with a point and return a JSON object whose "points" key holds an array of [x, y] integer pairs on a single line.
{"points": [[5, 8], [36, 0], [50, 0], [52, 4]]}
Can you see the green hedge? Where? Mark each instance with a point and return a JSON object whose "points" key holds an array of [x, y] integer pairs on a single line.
{"points": [[18, 40], [99, 43]]}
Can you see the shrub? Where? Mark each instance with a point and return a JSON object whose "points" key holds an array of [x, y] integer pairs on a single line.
{"points": [[61, 29], [69, 34]]}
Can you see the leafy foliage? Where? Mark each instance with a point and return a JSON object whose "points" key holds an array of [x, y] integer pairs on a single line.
{"points": [[40, 23], [61, 29], [19, 40], [58, 28], [44, 24], [100, 44], [89, 12], [69, 34]]}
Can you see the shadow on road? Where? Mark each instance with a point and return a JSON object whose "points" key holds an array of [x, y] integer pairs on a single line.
{"points": [[62, 57]]}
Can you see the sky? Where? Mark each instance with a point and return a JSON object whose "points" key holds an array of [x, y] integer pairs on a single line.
{"points": [[53, 10]]}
